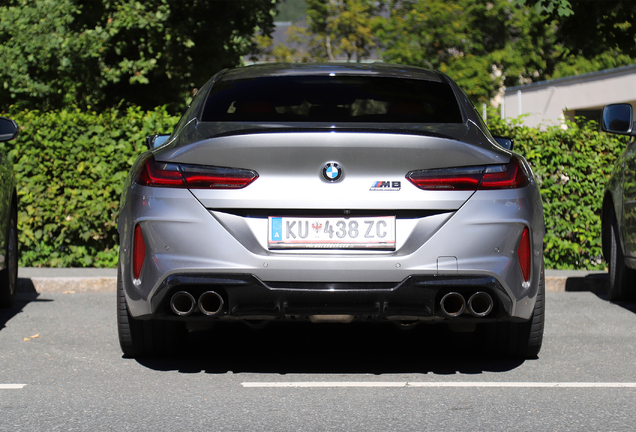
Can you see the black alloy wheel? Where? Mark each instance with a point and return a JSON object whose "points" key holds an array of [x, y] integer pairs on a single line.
{"points": [[517, 340], [621, 277], [145, 338]]}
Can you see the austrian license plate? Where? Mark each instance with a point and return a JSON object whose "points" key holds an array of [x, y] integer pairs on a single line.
{"points": [[360, 232]]}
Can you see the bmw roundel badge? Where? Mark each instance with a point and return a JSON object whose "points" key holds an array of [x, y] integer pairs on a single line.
{"points": [[332, 172]]}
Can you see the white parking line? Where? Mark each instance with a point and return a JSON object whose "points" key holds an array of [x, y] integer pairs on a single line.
{"points": [[11, 386], [440, 384]]}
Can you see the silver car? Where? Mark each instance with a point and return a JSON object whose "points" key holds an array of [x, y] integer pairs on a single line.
{"points": [[330, 193]]}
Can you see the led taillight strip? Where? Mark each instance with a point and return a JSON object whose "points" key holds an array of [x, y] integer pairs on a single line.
{"points": [[199, 177], [508, 176], [173, 175]]}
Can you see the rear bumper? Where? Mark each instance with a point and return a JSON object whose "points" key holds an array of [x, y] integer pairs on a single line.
{"points": [[245, 296], [189, 246]]}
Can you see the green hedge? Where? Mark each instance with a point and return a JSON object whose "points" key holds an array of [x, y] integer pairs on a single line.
{"points": [[71, 166], [572, 167]]}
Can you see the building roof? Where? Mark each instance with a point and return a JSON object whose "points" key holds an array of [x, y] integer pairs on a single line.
{"points": [[598, 74]]}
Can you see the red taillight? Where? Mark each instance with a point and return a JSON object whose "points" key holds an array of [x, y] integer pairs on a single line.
{"points": [[508, 176], [206, 177], [463, 178], [139, 252], [523, 252], [161, 174]]}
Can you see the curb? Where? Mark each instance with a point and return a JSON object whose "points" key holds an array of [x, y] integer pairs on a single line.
{"points": [[83, 280], [575, 280], [66, 280], [67, 285]]}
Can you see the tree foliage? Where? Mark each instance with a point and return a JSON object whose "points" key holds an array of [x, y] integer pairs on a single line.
{"points": [[290, 10], [487, 45], [560, 7], [598, 27], [335, 29], [482, 45], [342, 27], [58, 53]]}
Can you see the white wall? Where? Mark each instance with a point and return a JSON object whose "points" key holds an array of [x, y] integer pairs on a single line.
{"points": [[546, 102]]}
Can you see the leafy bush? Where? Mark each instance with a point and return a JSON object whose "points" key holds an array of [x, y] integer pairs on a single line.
{"points": [[70, 167], [572, 167]]}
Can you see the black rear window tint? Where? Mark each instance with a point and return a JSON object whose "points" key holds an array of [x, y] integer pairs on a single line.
{"points": [[332, 99]]}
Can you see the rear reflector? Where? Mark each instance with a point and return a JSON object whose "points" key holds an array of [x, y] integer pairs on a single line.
{"points": [[524, 254], [508, 176], [139, 252], [161, 174]]}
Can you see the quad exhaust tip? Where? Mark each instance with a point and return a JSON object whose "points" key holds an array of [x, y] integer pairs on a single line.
{"points": [[182, 303], [453, 304], [480, 304], [211, 303]]}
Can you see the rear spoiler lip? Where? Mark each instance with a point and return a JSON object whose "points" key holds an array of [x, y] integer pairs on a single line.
{"points": [[266, 130]]}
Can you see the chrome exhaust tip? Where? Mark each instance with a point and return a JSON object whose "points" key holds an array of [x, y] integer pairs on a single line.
{"points": [[182, 303], [211, 303], [453, 304], [480, 304]]}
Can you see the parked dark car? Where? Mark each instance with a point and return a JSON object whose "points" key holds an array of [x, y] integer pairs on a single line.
{"points": [[8, 220], [619, 207]]}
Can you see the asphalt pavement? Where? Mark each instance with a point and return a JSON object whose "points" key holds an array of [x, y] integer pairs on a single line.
{"points": [[61, 369]]}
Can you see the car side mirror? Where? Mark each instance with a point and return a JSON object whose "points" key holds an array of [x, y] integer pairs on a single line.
{"points": [[154, 141], [618, 119], [506, 143], [8, 129]]}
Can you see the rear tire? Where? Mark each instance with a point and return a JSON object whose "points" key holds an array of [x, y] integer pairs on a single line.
{"points": [[529, 335], [621, 277], [145, 338], [519, 340], [9, 275]]}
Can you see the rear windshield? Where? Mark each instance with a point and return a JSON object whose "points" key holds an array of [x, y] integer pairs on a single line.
{"points": [[331, 99]]}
